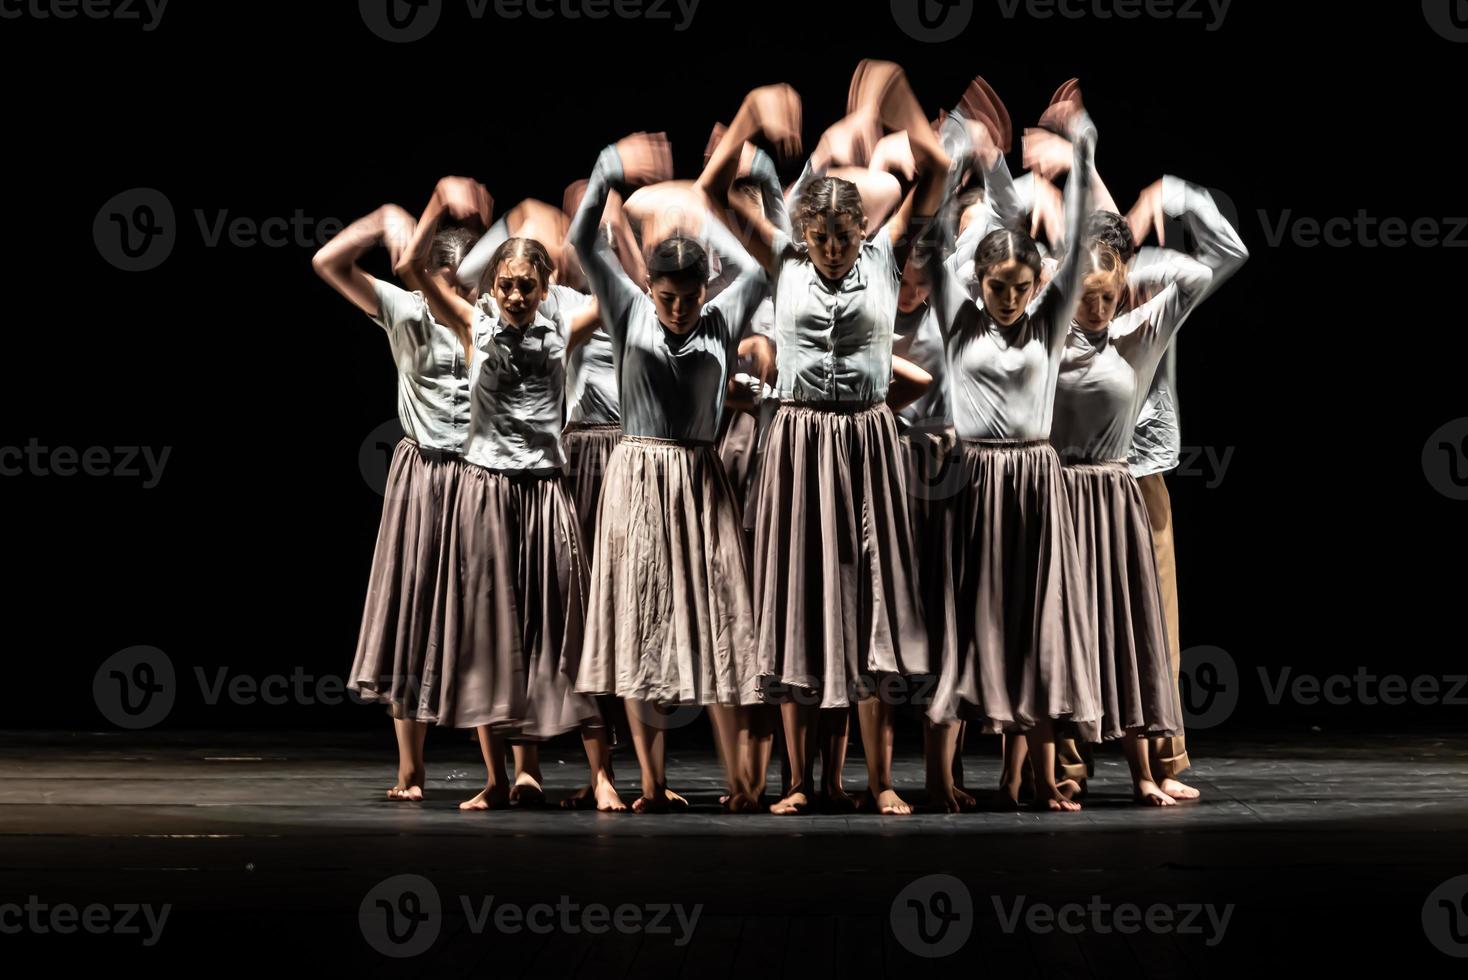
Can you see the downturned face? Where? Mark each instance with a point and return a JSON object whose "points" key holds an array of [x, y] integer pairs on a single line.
{"points": [[834, 241], [1008, 287], [916, 287], [1098, 303], [517, 291], [679, 302]]}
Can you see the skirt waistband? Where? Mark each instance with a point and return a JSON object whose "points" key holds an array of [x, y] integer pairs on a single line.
{"points": [[655, 441], [845, 408], [436, 455], [1100, 464], [1005, 443], [592, 427]]}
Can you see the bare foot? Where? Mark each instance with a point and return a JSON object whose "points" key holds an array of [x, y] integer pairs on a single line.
{"points": [[740, 803], [669, 801], [966, 801], [607, 798], [834, 799], [887, 803], [793, 805], [1147, 791], [1178, 790], [1054, 800], [1071, 789], [947, 799], [410, 786], [489, 798], [527, 792]]}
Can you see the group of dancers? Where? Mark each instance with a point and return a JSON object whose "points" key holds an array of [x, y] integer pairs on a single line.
{"points": [[725, 443]]}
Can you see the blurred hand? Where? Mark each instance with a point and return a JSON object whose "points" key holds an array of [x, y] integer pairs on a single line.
{"points": [[851, 142], [776, 109], [465, 199], [1047, 154], [893, 155], [1147, 214], [1048, 216], [647, 158]]}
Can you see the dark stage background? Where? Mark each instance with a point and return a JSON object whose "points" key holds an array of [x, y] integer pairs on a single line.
{"points": [[1322, 374]]}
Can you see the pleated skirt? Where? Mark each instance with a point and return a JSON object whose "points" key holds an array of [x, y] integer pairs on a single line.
{"points": [[514, 618], [1025, 649], [1123, 600], [836, 599], [588, 447], [670, 617], [399, 643]]}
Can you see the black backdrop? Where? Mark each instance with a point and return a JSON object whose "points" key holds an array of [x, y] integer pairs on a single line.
{"points": [[1323, 371]]}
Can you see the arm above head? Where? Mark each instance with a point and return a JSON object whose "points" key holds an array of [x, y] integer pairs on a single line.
{"points": [[336, 261], [464, 200], [1057, 302]]}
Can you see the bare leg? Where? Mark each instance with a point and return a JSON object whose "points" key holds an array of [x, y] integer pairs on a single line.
{"points": [[1012, 777], [528, 789], [875, 715], [801, 722], [598, 745], [833, 726], [412, 772], [496, 793], [966, 799], [646, 720], [756, 742], [939, 741], [1041, 740], [1144, 789], [725, 719]]}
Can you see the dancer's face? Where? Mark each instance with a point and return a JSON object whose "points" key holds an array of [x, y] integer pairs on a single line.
{"points": [[1098, 302], [916, 287], [679, 301], [518, 291], [835, 242], [1008, 287]]}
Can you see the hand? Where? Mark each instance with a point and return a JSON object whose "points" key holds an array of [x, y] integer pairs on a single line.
{"points": [[870, 83], [981, 104], [1047, 154], [762, 352], [893, 155], [647, 158], [851, 142], [1147, 214], [465, 200], [1048, 215], [776, 111]]}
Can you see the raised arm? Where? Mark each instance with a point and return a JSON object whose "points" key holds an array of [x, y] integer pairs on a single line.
{"points": [[774, 113], [336, 262], [1216, 243], [635, 159], [464, 200], [1056, 304], [737, 303]]}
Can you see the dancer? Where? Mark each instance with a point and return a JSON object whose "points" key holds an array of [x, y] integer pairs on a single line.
{"points": [[397, 646], [1021, 663], [516, 577], [1107, 372], [836, 605], [671, 621]]}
